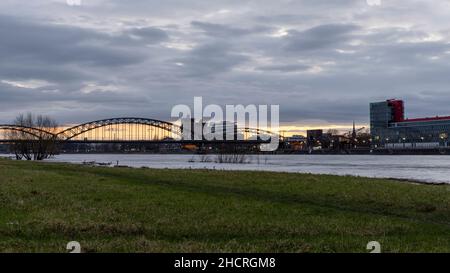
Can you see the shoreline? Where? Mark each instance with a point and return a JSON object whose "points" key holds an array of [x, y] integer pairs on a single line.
{"points": [[230, 167], [401, 180]]}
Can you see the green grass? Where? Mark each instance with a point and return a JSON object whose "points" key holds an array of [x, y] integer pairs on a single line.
{"points": [[43, 206]]}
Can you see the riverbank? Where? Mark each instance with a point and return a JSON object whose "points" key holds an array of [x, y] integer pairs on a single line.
{"points": [[45, 205], [434, 169]]}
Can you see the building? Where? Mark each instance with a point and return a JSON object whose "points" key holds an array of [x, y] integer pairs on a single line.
{"points": [[296, 138], [390, 128], [296, 142], [318, 139], [314, 137]]}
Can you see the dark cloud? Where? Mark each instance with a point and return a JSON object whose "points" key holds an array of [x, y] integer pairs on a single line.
{"points": [[210, 59], [320, 37], [27, 41]]}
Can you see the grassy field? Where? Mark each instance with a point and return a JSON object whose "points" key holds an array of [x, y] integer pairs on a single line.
{"points": [[43, 206]]}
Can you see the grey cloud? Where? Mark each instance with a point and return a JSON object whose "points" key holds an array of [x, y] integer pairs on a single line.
{"points": [[219, 30], [37, 42], [319, 37], [285, 68], [150, 34], [337, 56], [211, 59]]}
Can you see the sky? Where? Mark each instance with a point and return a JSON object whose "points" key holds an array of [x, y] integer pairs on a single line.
{"points": [[322, 61]]}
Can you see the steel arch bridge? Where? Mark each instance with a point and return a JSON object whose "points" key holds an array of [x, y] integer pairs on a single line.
{"points": [[34, 132], [126, 129], [116, 124]]}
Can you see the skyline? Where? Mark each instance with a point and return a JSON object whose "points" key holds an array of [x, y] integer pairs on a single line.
{"points": [[107, 59]]}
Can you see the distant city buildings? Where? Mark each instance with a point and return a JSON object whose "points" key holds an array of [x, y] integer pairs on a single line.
{"points": [[296, 143], [390, 128], [333, 140]]}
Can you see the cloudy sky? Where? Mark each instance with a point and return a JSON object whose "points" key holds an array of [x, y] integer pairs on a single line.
{"points": [[321, 61]]}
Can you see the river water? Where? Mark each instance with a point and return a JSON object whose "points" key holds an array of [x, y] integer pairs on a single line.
{"points": [[435, 169]]}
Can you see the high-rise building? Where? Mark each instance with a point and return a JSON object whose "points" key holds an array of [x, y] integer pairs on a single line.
{"points": [[390, 128]]}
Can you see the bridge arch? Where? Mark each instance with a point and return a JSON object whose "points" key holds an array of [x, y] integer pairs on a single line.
{"points": [[169, 129], [35, 132], [78, 130]]}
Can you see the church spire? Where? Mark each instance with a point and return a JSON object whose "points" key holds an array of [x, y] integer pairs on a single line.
{"points": [[354, 131]]}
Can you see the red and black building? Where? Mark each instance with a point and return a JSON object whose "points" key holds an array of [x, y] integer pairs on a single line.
{"points": [[390, 128]]}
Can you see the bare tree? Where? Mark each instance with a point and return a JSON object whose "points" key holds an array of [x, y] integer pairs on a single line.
{"points": [[37, 138], [333, 132], [364, 137]]}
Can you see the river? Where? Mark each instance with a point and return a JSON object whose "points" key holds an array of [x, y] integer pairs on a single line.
{"points": [[434, 169]]}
